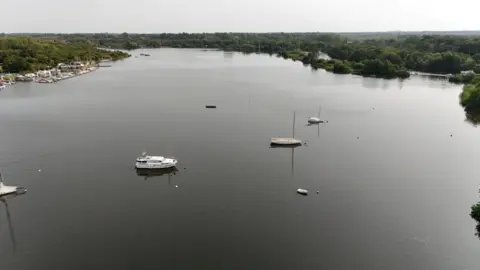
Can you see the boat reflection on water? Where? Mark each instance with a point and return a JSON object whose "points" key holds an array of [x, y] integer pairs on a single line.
{"points": [[149, 173], [292, 146], [4, 199], [318, 127]]}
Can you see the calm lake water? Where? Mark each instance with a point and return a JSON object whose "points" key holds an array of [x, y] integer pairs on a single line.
{"points": [[394, 188]]}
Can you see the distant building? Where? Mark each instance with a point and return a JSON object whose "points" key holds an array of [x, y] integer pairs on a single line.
{"points": [[467, 72], [74, 66], [44, 74]]}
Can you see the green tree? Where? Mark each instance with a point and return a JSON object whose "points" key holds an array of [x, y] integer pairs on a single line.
{"points": [[475, 212], [469, 64], [15, 64], [393, 58], [379, 68], [23, 54], [397, 54], [341, 68], [476, 57], [129, 45]]}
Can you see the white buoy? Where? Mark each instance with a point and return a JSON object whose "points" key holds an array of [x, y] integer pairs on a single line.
{"points": [[39, 170], [176, 186]]}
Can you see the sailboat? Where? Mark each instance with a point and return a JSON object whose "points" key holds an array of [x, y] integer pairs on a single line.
{"points": [[287, 141], [6, 190], [315, 120]]}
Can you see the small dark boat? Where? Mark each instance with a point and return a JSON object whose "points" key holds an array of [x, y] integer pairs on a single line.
{"points": [[210, 106]]}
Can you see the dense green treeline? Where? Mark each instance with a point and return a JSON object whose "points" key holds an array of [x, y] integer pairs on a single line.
{"points": [[475, 214], [470, 100], [24, 54], [386, 57]]}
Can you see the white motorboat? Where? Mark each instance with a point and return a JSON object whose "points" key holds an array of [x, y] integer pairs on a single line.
{"points": [[302, 191], [6, 190], [315, 120], [154, 162], [286, 141]]}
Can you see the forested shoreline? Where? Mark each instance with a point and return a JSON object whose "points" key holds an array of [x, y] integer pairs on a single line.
{"points": [[26, 54], [381, 57], [377, 57]]}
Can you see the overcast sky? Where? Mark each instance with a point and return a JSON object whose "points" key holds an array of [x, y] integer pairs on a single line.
{"points": [[155, 16]]}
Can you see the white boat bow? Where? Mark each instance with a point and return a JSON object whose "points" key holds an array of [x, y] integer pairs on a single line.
{"points": [[6, 190]]}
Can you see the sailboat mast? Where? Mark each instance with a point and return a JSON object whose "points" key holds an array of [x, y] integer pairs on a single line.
{"points": [[293, 124], [293, 149], [10, 226]]}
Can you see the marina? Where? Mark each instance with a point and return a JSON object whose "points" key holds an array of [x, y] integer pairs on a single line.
{"points": [[5, 82], [61, 72]]}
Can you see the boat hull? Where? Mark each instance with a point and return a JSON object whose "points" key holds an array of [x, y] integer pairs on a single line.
{"points": [[313, 120], [285, 141], [7, 190], [303, 192], [153, 166]]}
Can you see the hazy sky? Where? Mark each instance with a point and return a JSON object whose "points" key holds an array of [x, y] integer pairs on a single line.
{"points": [[155, 16]]}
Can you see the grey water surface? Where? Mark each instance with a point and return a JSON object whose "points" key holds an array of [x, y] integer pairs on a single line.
{"points": [[394, 187]]}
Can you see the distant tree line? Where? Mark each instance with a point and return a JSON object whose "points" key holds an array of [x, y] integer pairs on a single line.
{"points": [[470, 100], [387, 57], [475, 214], [26, 54]]}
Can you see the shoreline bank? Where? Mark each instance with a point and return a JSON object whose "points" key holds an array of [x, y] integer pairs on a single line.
{"points": [[60, 73]]}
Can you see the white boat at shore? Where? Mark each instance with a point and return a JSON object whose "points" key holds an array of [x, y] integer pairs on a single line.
{"points": [[154, 162]]}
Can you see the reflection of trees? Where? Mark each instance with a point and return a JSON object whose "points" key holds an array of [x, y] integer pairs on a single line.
{"points": [[371, 83], [473, 117], [475, 214], [477, 230]]}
